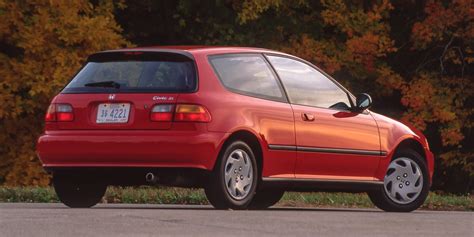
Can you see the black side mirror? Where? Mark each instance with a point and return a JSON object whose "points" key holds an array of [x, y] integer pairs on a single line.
{"points": [[363, 102]]}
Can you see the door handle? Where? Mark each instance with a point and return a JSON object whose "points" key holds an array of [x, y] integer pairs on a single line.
{"points": [[307, 117]]}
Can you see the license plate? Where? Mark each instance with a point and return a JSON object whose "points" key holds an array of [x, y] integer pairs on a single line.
{"points": [[113, 113]]}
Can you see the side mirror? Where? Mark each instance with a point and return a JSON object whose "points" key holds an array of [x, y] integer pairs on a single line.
{"points": [[363, 102]]}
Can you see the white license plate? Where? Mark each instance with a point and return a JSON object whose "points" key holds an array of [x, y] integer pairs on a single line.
{"points": [[113, 113]]}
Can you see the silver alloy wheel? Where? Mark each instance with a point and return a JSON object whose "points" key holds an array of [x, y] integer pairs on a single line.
{"points": [[403, 181], [238, 174]]}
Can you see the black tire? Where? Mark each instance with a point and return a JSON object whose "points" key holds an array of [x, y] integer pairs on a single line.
{"points": [[264, 199], [216, 189], [78, 192], [380, 198]]}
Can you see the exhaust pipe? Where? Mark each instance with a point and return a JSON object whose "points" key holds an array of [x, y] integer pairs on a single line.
{"points": [[151, 178]]}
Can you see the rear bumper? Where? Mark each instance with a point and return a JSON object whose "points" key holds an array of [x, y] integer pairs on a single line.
{"points": [[134, 148]]}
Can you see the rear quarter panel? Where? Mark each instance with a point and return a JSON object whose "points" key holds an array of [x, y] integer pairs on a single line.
{"points": [[271, 122]]}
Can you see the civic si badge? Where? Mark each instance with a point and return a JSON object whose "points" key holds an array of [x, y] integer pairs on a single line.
{"points": [[112, 97]]}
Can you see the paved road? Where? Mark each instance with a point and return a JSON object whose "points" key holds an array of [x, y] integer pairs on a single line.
{"points": [[165, 220]]}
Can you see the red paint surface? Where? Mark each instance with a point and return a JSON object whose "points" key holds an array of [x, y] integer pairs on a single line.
{"points": [[144, 143], [331, 130]]}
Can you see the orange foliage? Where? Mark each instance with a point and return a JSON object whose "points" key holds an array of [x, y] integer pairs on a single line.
{"points": [[47, 41], [438, 96], [357, 40], [441, 20], [319, 52]]}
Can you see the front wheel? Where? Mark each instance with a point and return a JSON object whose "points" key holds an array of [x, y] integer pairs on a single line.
{"points": [[234, 179], [78, 192], [406, 184]]}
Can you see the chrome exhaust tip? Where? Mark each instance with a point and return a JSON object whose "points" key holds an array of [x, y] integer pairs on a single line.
{"points": [[150, 178]]}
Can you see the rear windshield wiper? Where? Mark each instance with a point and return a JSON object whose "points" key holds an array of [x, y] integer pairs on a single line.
{"points": [[112, 84]]}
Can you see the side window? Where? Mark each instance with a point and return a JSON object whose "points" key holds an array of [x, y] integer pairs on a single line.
{"points": [[307, 86], [247, 74]]}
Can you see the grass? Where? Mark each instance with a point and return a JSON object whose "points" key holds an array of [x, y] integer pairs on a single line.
{"points": [[165, 195]]}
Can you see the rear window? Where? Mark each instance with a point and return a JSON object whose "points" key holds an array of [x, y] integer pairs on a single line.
{"points": [[135, 72], [247, 74]]}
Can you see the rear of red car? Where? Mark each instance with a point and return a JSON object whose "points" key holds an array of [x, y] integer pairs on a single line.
{"points": [[122, 110]]}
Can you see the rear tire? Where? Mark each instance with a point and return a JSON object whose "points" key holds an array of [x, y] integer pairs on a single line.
{"points": [[233, 182], [264, 199], [404, 189], [78, 192]]}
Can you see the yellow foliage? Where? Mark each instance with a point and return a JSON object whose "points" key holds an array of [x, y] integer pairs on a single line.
{"points": [[47, 42]]}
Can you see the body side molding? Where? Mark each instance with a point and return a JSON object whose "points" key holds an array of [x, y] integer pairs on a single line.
{"points": [[328, 150]]}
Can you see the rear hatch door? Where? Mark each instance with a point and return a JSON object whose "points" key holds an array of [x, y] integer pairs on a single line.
{"points": [[119, 90]]}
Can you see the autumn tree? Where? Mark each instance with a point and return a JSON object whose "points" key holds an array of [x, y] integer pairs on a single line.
{"points": [[414, 57], [440, 93], [356, 45], [42, 44]]}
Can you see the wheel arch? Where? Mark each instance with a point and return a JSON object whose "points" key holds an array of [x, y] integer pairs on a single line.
{"points": [[251, 139], [410, 143], [407, 142]]}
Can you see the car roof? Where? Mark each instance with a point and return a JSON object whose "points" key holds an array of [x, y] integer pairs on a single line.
{"points": [[197, 49]]}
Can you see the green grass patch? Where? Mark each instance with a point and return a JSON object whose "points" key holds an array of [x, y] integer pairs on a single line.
{"points": [[166, 195]]}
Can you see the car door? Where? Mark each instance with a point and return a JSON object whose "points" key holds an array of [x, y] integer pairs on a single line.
{"points": [[258, 103], [332, 142]]}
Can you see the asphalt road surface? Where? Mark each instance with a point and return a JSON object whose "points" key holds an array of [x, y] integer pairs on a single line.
{"points": [[185, 220]]}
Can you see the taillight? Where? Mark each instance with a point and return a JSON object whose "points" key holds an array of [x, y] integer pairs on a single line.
{"points": [[182, 113], [162, 113], [60, 113], [51, 113], [191, 113], [64, 113]]}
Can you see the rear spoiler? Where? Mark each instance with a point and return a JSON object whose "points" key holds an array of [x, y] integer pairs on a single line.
{"points": [[142, 55]]}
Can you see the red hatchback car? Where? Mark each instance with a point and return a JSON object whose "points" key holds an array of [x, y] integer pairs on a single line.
{"points": [[245, 124]]}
